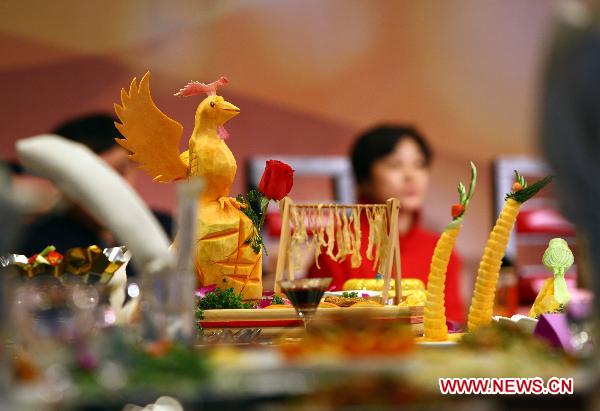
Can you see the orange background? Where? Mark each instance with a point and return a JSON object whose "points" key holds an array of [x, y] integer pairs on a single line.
{"points": [[307, 76]]}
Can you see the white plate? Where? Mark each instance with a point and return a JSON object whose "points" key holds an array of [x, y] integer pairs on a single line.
{"points": [[524, 322]]}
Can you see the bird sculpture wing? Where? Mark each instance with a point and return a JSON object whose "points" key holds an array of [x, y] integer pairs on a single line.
{"points": [[151, 136]]}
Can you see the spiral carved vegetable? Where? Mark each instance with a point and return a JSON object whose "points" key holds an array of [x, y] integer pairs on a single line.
{"points": [[434, 318], [482, 304], [554, 294]]}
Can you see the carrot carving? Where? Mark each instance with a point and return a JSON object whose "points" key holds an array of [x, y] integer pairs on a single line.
{"points": [[434, 317], [482, 303]]}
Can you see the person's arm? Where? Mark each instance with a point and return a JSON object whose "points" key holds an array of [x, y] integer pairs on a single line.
{"points": [[455, 311]]}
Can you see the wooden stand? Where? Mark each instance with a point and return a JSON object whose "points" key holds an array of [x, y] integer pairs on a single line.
{"points": [[391, 264]]}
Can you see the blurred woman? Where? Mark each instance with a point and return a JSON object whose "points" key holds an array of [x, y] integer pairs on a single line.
{"points": [[394, 161]]}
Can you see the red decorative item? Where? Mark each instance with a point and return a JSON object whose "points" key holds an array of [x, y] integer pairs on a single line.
{"points": [[195, 87], [277, 180], [457, 210], [516, 187], [54, 258]]}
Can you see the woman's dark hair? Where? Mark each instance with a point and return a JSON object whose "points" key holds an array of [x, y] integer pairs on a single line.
{"points": [[380, 141], [96, 131]]}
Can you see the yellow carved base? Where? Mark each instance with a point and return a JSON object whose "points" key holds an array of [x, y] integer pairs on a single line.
{"points": [[222, 255]]}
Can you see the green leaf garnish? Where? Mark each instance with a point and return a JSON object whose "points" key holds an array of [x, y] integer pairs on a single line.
{"points": [[528, 191], [255, 210]]}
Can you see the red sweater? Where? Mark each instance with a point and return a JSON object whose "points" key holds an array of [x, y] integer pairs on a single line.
{"points": [[416, 250]]}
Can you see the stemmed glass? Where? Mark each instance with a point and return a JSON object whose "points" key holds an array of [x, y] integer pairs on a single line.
{"points": [[305, 294]]}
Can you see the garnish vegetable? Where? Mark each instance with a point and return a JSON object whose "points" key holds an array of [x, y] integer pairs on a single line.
{"points": [[220, 299], [554, 294]]}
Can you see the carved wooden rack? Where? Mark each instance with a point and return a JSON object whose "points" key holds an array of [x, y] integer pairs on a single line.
{"points": [[392, 263]]}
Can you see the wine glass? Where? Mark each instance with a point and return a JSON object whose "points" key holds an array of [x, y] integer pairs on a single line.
{"points": [[305, 294]]}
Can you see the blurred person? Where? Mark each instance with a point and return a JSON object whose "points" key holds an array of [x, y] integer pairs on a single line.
{"points": [[36, 195], [570, 125], [394, 161], [9, 221], [67, 225]]}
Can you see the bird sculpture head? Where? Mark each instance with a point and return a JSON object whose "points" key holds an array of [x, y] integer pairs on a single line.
{"points": [[214, 111]]}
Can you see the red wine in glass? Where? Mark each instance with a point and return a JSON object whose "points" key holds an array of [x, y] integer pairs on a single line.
{"points": [[305, 294]]}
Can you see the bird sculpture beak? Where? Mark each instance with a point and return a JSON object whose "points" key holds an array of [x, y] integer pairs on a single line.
{"points": [[227, 106]]}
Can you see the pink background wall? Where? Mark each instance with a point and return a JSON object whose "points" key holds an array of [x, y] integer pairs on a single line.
{"points": [[307, 76]]}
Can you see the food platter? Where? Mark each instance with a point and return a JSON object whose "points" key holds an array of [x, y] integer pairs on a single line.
{"points": [[286, 318]]}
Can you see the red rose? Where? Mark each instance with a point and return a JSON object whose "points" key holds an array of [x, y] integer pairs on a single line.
{"points": [[277, 180]]}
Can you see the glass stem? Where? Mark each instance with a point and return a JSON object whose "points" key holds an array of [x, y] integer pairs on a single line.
{"points": [[181, 300]]}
